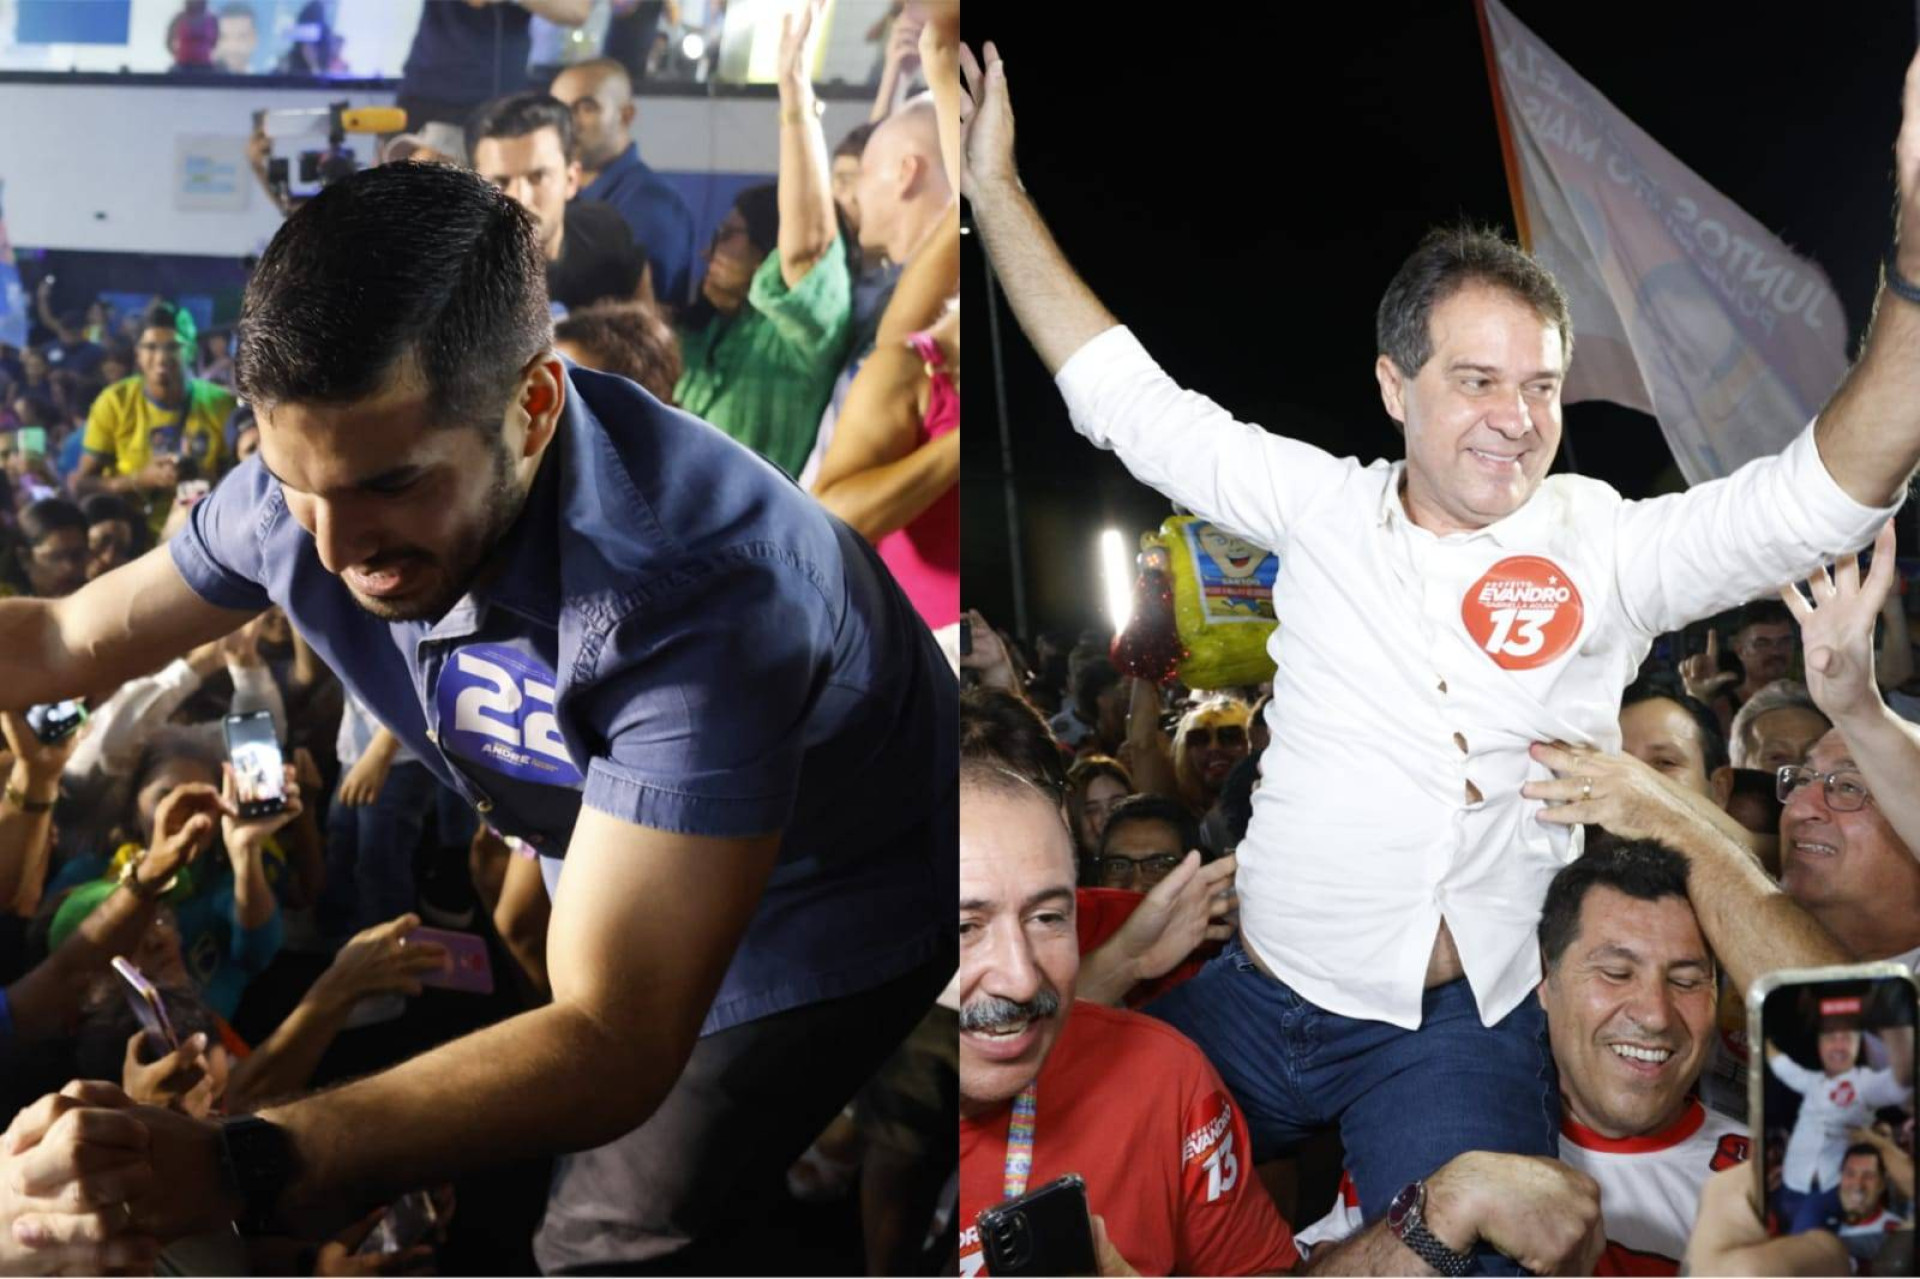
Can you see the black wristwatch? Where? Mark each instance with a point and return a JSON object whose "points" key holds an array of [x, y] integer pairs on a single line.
{"points": [[1407, 1218], [256, 1162]]}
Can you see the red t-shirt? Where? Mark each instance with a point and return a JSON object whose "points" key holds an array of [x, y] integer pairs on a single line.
{"points": [[1133, 1107], [1098, 915]]}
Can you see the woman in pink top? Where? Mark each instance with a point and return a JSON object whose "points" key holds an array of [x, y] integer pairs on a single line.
{"points": [[893, 468]]}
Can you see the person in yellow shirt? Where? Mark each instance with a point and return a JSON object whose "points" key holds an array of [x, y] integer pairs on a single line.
{"points": [[149, 433]]}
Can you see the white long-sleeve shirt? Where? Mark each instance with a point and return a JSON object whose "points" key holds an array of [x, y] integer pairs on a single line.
{"points": [[1831, 1107], [1411, 664]]}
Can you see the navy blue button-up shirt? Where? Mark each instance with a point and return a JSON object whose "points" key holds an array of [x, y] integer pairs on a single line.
{"points": [[661, 221], [679, 637]]}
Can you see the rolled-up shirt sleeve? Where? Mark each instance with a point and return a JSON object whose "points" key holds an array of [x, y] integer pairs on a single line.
{"points": [[1187, 447], [218, 550], [1773, 521], [704, 696]]}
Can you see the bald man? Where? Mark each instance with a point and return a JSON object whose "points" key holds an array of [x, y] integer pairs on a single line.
{"points": [[601, 98], [902, 189]]}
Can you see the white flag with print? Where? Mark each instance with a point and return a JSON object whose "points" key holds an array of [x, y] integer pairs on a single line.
{"points": [[1683, 305]]}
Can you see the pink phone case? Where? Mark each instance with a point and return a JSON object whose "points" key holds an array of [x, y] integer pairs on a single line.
{"points": [[471, 969]]}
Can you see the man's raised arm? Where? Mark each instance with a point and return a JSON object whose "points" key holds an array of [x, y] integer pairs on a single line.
{"points": [[1057, 310], [1869, 433], [122, 624]]}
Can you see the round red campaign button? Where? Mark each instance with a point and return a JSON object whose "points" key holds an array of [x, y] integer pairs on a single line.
{"points": [[1524, 613]]}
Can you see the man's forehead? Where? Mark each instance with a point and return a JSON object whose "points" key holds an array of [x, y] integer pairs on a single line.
{"points": [[1142, 834], [1611, 920], [513, 155]]}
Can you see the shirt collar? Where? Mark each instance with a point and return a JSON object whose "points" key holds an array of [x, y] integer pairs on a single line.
{"points": [[1524, 529], [627, 161], [1672, 1135]]}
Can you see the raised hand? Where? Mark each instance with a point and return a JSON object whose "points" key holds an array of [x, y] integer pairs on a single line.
{"points": [[182, 829], [1702, 673], [173, 1079], [799, 40], [1836, 629], [380, 960], [986, 124]]}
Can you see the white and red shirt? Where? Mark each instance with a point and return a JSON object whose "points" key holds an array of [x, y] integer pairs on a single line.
{"points": [[1831, 1106], [1130, 1104], [1649, 1188], [1864, 1239], [1435, 662]]}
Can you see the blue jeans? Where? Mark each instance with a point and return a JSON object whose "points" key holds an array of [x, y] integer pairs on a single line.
{"points": [[1406, 1101], [370, 852]]}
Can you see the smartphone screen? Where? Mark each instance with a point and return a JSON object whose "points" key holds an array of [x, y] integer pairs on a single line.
{"points": [[468, 969], [53, 721], [259, 770], [148, 1005], [407, 1220], [1833, 1108], [33, 439]]}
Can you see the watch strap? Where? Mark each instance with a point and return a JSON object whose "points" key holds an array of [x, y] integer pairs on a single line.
{"points": [[1412, 1231], [18, 798], [256, 1163], [1897, 284]]}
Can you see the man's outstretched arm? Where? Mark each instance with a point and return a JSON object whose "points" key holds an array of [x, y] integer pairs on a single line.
{"points": [[1056, 309], [1869, 433], [629, 995], [122, 624]]}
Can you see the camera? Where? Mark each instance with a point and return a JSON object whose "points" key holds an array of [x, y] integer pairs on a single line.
{"points": [[308, 147]]}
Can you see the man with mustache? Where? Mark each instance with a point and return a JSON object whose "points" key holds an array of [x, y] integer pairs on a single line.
{"points": [[1121, 1099]]}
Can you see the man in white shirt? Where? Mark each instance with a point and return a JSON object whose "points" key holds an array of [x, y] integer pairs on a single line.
{"points": [[1629, 997], [1834, 1100], [1439, 616]]}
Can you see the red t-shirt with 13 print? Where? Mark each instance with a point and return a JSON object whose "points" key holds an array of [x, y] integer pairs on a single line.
{"points": [[1133, 1107]]}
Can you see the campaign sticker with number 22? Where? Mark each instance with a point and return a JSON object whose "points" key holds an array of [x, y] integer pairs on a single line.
{"points": [[496, 709], [1524, 613]]}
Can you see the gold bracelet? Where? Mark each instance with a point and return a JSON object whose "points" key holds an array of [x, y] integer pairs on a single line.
{"points": [[18, 798]]}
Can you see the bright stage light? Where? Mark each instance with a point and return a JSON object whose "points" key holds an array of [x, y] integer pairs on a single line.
{"points": [[694, 46], [1116, 572]]}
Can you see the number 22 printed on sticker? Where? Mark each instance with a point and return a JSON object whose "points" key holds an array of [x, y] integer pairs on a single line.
{"points": [[496, 709]]}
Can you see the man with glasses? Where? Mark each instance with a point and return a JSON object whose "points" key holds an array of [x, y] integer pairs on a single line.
{"points": [[149, 432], [1766, 642], [1146, 837]]}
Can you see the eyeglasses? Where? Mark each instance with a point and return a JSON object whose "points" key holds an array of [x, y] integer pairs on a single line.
{"points": [[1771, 643], [1120, 872], [1845, 791], [1227, 737]]}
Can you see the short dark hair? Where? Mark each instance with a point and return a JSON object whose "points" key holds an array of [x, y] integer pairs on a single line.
{"points": [[855, 143], [1449, 259], [1092, 675], [627, 338], [519, 114], [104, 508], [1644, 870], [161, 315], [1713, 742], [48, 516], [1761, 613], [1003, 732], [423, 269], [1153, 808], [760, 208], [1866, 1148]]}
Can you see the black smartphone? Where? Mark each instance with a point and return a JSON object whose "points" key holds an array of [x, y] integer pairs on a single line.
{"points": [[53, 721], [1831, 1103], [408, 1220], [259, 769], [966, 638], [1043, 1232]]}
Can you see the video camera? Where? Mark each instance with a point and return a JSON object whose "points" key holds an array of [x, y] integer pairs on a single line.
{"points": [[308, 147]]}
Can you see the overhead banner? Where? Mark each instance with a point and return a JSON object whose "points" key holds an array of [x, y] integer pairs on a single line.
{"points": [[1683, 306]]}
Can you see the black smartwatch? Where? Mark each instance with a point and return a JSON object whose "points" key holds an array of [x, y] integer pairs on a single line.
{"points": [[256, 1162], [1407, 1218]]}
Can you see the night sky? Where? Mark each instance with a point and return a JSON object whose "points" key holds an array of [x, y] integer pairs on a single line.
{"points": [[1238, 181]]}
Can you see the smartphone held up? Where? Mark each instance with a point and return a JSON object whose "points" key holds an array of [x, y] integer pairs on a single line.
{"points": [[259, 768], [1832, 1110]]}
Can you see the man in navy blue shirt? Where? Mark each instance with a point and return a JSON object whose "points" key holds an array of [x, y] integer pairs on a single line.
{"points": [[467, 51], [601, 97], [622, 638]]}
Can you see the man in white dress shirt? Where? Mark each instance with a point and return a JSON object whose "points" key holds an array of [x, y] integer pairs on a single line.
{"points": [[1440, 615]]}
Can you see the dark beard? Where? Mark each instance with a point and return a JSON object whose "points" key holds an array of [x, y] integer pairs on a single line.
{"points": [[504, 500]]}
